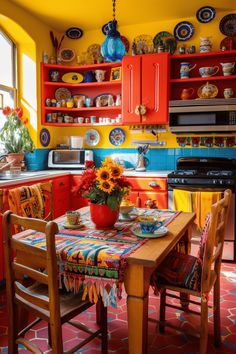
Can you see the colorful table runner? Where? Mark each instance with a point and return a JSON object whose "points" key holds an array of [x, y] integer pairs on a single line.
{"points": [[95, 260]]}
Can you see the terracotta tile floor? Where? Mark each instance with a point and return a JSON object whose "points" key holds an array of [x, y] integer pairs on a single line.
{"points": [[169, 343]]}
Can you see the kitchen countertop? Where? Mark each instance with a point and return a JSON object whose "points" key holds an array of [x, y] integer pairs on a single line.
{"points": [[38, 175]]}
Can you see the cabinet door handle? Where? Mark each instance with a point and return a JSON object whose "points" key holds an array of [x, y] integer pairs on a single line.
{"points": [[140, 110], [153, 184], [61, 183]]}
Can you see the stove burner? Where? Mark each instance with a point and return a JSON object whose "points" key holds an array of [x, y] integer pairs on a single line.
{"points": [[185, 172], [219, 173]]}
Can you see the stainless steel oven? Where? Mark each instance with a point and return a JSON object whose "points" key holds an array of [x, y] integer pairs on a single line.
{"points": [[207, 174]]}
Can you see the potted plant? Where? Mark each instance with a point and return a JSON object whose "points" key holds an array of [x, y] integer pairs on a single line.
{"points": [[15, 136], [105, 187]]}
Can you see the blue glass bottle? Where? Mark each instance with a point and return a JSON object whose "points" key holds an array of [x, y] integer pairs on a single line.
{"points": [[113, 49]]}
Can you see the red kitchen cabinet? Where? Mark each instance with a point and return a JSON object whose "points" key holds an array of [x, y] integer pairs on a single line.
{"points": [[145, 89], [149, 189], [61, 195], [77, 201]]}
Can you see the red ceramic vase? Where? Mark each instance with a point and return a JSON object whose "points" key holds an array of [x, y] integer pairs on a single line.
{"points": [[103, 217]]}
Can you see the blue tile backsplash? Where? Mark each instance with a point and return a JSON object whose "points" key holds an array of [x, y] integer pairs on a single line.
{"points": [[159, 159]]}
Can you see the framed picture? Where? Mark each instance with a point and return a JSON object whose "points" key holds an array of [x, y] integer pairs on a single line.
{"points": [[115, 73]]}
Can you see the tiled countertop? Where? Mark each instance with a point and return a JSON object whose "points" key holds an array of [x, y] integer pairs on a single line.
{"points": [[38, 175]]}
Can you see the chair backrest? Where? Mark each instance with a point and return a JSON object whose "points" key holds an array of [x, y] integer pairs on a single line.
{"points": [[214, 241], [31, 261], [37, 195]]}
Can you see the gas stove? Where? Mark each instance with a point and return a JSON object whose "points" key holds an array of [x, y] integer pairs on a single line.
{"points": [[199, 172]]}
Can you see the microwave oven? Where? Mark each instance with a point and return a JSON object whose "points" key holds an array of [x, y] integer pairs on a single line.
{"points": [[69, 159], [202, 121]]}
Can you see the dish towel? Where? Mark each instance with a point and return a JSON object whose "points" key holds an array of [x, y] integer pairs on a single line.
{"points": [[182, 200]]}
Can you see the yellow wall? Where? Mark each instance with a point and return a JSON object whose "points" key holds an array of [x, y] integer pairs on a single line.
{"points": [[32, 38]]}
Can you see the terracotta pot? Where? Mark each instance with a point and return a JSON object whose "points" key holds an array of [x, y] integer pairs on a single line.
{"points": [[15, 158], [103, 217]]}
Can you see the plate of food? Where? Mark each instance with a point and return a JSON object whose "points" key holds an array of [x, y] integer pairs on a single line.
{"points": [[67, 54], [117, 136], [72, 78], [167, 39], [160, 232], [144, 44], [92, 137], [62, 93], [183, 31]]}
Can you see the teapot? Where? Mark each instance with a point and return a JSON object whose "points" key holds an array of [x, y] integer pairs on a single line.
{"points": [[208, 91], [187, 93]]}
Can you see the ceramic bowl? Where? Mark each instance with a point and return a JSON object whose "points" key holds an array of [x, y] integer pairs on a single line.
{"points": [[125, 209], [149, 224]]}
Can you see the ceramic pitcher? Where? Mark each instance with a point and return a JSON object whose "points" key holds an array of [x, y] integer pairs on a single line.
{"points": [[185, 69], [228, 68], [187, 93]]}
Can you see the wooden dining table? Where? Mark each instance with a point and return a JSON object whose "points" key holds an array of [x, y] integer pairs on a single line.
{"points": [[140, 264]]}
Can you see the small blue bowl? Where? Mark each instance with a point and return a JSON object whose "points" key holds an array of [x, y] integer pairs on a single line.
{"points": [[149, 224]]}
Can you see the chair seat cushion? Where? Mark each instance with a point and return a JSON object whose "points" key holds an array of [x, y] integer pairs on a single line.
{"points": [[180, 270]]}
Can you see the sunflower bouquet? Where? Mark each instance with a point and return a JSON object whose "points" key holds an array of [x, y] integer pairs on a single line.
{"points": [[105, 185]]}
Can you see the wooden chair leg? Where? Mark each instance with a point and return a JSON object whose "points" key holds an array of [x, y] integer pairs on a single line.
{"points": [[49, 336], [13, 331], [56, 338], [204, 325], [98, 313], [162, 316], [216, 314], [103, 323]]}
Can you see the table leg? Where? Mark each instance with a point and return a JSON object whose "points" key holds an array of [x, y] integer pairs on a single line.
{"points": [[137, 281], [184, 298]]}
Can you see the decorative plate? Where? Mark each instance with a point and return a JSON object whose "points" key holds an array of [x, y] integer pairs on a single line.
{"points": [[74, 33], [168, 40], [205, 14], [183, 31], [102, 99], [94, 50], [44, 137], [161, 231], [117, 137], [66, 54], [229, 43], [144, 44], [92, 137], [72, 78], [228, 25], [125, 42], [62, 93], [207, 91]]}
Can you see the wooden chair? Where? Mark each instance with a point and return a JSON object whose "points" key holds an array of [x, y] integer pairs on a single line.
{"points": [[47, 199], [206, 266], [42, 299]]}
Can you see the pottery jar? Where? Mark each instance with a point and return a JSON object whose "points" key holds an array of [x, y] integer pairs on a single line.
{"points": [[228, 92], [100, 75], [185, 69], [187, 93]]}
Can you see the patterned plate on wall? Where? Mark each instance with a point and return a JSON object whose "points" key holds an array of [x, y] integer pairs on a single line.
{"points": [[228, 25], [117, 136], [168, 40], [205, 14], [183, 31]]}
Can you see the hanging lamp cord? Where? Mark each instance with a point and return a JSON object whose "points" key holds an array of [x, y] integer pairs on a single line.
{"points": [[114, 9]]}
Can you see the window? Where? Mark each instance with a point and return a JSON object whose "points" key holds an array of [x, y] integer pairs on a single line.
{"points": [[8, 90]]}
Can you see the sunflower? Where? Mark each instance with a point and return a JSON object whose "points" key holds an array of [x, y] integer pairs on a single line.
{"points": [[107, 162], [106, 186], [116, 170], [103, 174]]}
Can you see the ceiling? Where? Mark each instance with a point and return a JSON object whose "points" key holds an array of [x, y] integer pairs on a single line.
{"points": [[93, 14]]}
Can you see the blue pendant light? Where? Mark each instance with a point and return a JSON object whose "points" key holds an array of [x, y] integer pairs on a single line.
{"points": [[113, 49]]}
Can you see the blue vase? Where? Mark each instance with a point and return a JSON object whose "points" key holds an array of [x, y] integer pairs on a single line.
{"points": [[113, 49]]}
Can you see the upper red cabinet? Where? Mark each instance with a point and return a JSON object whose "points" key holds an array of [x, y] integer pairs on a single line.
{"points": [[145, 89]]}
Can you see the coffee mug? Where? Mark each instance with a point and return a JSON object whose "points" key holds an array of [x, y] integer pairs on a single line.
{"points": [[207, 71], [72, 217], [149, 224]]}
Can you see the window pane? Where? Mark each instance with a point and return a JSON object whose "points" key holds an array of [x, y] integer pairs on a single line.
{"points": [[6, 61]]}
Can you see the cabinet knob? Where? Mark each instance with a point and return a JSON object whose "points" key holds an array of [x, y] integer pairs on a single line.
{"points": [[140, 110], [153, 184], [61, 183]]}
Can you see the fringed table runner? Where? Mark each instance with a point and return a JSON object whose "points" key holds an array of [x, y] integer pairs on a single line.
{"points": [[95, 260]]}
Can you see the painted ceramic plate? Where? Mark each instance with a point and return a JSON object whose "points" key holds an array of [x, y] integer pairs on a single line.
{"points": [[168, 40], [102, 100], [207, 91], [229, 43], [72, 78], [228, 25], [74, 33], [92, 137], [183, 31], [205, 14], [44, 137], [62, 93], [94, 50], [162, 231], [67, 54], [125, 42], [117, 137], [144, 44]]}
